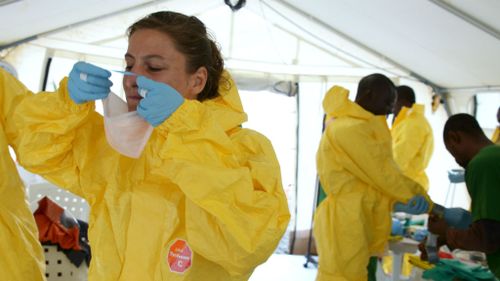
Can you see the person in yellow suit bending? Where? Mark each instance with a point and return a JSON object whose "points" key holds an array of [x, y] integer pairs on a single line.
{"points": [[204, 200], [21, 254], [412, 139], [361, 180]]}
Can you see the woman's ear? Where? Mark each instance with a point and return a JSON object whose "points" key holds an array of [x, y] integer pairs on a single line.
{"points": [[197, 81]]}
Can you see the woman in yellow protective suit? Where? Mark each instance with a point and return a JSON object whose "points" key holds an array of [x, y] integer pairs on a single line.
{"points": [[204, 200], [361, 180], [21, 253]]}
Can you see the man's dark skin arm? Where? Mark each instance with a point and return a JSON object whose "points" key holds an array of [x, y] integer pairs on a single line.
{"points": [[483, 235]]}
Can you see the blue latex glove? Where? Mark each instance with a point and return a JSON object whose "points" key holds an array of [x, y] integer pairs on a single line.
{"points": [[420, 234], [88, 82], [415, 206], [457, 218], [396, 227], [160, 101]]}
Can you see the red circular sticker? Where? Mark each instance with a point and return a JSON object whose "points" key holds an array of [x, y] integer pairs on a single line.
{"points": [[180, 256]]}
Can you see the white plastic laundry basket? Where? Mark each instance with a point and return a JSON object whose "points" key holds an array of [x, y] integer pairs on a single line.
{"points": [[59, 268], [76, 205]]}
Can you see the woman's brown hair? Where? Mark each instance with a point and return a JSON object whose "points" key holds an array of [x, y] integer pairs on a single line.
{"points": [[191, 38]]}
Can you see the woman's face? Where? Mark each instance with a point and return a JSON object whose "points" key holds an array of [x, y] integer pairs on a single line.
{"points": [[151, 53]]}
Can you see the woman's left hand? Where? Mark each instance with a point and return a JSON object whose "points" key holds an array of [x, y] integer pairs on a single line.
{"points": [[160, 101]]}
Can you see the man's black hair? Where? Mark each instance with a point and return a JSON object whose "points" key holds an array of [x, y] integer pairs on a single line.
{"points": [[374, 82], [406, 93], [462, 122]]}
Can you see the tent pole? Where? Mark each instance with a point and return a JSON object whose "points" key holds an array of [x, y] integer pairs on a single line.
{"points": [[468, 18]]}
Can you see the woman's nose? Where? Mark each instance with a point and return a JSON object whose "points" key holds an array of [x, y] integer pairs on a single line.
{"points": [[129, 80]]}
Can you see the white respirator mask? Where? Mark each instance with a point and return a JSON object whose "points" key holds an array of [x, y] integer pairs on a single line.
{"points": [[126, 132]]}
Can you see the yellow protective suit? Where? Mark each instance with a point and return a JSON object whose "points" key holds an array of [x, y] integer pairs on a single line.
{"points": [[496, 136], [21, 253], [362, 182], [203, 202], [413, 143]]}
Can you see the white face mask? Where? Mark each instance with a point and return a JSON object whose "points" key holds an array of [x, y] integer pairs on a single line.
{"points": [[126, 132]]}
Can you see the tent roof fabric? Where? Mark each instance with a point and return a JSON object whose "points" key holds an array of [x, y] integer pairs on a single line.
{"points": [[449, 45]]}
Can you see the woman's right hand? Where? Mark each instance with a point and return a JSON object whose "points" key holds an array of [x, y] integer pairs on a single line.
{"points": [[159, 102], [88, 82]]}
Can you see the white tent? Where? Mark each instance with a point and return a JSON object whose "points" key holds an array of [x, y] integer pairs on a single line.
{"points": [[450, 48], [454, 45]]}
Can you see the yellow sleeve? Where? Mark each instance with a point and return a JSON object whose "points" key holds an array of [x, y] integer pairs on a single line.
{"points": [[50, 125], [22, 255], [407, 142], [496, 136], [11, 94], [371, 161], [236, 210]]}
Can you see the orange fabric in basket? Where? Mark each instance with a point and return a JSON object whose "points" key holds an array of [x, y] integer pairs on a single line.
{"points": [[51, 229]]}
